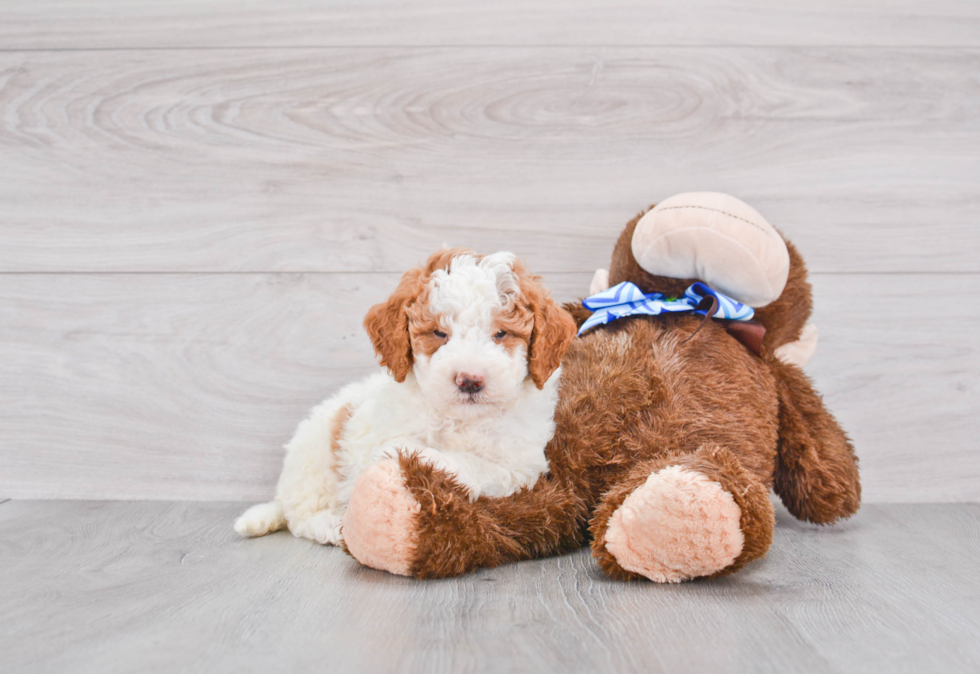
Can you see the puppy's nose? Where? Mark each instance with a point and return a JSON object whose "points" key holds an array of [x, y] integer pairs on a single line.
{"points": [[469, 383]]}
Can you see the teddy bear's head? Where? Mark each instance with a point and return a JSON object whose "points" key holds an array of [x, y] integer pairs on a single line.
{"points": [[721, 241]]}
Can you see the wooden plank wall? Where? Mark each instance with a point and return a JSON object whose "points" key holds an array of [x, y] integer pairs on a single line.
{"points": [[199, 200]]}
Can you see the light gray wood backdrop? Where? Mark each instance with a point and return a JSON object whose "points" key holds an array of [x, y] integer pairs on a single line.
{"points": [[199, 200]]}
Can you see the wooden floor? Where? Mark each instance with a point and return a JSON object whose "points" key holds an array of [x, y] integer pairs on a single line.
{"points": [[162, 587]]}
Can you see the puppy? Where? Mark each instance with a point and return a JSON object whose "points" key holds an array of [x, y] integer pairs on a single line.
{"points": [[472, 345]]}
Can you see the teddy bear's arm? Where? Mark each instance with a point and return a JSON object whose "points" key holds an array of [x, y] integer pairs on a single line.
{"points": [[410, 518], [816, 473], [456, 536]]}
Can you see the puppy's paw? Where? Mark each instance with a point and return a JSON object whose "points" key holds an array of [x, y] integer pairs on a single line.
{"points": [[325, 528], [380, 526], [451, 466]]}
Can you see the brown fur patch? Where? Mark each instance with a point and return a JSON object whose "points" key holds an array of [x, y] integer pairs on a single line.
{"points": [[387, 323], [784, 319], [337, 425], [455, 536], [553, 329], [518, 324], [422, 327], [816, 471]]}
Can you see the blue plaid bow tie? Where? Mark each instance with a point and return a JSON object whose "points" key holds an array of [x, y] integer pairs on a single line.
{"points": [[626, 299]]}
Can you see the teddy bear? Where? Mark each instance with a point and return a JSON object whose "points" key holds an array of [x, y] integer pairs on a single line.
{"points": [[679, 410]]}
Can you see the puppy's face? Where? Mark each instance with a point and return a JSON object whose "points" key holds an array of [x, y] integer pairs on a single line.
{"points": [[473, 329], [470, 334]]}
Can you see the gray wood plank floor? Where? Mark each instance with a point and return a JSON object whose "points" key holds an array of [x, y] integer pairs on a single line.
{"points": [[162, 587]]}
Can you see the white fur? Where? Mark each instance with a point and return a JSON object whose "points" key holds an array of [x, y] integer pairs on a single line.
{"points": [[493, 442]]}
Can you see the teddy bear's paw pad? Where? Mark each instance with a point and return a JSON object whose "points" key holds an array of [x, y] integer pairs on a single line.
{"points": [[380, 522], [676, 526]]}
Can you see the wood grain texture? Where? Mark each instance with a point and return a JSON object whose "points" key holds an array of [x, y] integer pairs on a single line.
{"points": [[177, 386], [163, 587], [58, 24], [173, 386], [898, 362], [366, 159], [268, 169]]}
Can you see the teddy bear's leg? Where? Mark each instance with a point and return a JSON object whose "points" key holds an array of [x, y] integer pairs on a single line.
{"points": [[816, 473], [680, 517], [408, 518]]}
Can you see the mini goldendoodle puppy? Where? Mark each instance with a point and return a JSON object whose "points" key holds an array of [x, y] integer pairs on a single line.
{"points": [[472, 345]]}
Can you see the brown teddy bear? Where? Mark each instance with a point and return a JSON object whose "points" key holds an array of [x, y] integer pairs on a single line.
{"points": [[670, 428]]}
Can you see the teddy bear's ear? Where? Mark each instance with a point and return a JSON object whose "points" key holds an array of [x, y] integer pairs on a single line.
{"points": [[600, 282], [718, 239], [800, 351]]}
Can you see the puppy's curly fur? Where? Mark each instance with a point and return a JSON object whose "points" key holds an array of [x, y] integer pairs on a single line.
{"points": [[472, 345]]}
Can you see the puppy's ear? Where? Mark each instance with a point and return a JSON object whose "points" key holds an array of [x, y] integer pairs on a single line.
{"points": [[387, 326], [553, 331]]}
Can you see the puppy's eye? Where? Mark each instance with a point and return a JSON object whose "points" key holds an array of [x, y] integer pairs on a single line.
{"points": [[439, 333], [500, 335]]}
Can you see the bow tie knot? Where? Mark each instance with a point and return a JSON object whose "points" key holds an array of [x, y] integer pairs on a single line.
{"points": [[626, 299]]}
